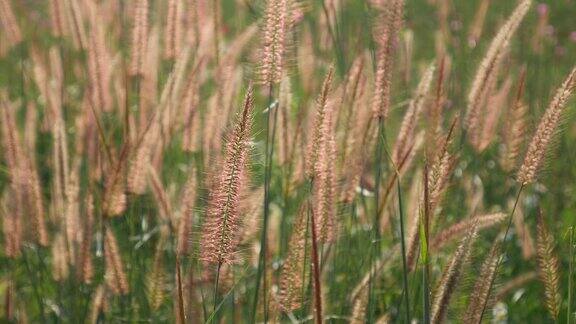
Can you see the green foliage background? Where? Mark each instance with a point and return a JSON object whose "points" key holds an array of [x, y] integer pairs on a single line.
{"points": [[555, 193]]}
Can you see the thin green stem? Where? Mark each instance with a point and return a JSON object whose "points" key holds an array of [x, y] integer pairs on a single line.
{"points": [[403, 246], [570, 273], [216, 286], [35, 286], [424, 243], [269, 152], [305, 253], [211, 318], [503, 241], [375, 239]]}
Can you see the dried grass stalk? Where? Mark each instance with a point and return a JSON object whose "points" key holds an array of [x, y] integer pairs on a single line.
{"points": [[9, 24], [277, 21], [293, 270], [115, 276], [457, 230], [99, 305], [386, 35], [544, 135], [407, 129], [515, 128], [548, 267], [450, 277], [139, 39], [156, 278], [515, 283], [315, 141], [483, 287], [85, 265], [220, 232], [487, 73], [186, 215]]}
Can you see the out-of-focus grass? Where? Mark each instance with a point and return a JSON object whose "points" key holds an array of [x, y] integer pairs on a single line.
{"points": [[556, 194]]}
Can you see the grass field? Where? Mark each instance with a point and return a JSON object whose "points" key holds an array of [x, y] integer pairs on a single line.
{"points": [[287, 161]]}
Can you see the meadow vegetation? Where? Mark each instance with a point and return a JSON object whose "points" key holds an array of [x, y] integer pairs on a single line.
{"points": [[287, 161]]}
